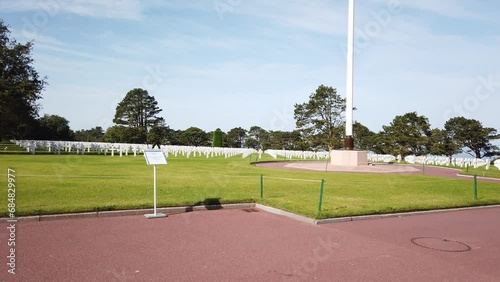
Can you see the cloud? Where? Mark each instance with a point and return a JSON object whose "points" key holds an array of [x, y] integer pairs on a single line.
{"points": [[458, 9], [262, 55], [324, 17], [38, 38], [82, 55], [113, 9], [418, 45], [182, 41], [19, 6]]}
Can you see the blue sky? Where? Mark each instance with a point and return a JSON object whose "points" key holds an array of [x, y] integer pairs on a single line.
{"points": [[229, 63]]}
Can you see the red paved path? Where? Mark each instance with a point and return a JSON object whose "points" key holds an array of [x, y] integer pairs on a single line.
{"points": [[236, 245]]}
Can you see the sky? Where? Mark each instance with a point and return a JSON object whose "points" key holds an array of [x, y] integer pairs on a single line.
{"points": [[239, 63]]}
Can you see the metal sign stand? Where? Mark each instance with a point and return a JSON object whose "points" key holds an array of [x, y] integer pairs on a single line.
{"points": [[155, 157]]}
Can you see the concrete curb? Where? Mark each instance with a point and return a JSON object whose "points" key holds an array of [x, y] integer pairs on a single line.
{"points": [[391, 215], [22, 219], [176, 210], [68, 216], [125, 212], [169, 210], [363, 217], [478, 177], [285, 213]]}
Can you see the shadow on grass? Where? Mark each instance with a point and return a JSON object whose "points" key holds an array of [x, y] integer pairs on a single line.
{"points": [[208, 203]]}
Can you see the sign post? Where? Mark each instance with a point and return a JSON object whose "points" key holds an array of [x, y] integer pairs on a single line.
{"points": [[154, 158]]}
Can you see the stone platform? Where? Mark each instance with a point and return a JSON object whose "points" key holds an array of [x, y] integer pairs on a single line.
{"points": [[372, 168], [349, 157]]}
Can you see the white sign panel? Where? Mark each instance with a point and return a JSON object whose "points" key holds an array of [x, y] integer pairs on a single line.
{"points": [[155, 157]]}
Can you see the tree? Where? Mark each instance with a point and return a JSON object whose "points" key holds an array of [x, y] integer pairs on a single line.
{"points": [[236, 137], [250, 142], [20, 87], [217, 138], [95, 134], [158, 134], [287, 140], [472, 137], [279, 140], [138, 110], [297, 141], [381, 144], [443, 144], [363, 137], [257, 138], [123, 134], [195, 136], [408, 134], [172, 136], [321, 118], [54, 127]]}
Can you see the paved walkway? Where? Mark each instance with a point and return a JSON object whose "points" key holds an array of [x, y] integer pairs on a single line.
{"points": [[253, 245]]}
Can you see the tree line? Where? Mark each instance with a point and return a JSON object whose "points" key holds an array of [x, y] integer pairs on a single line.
{"points": [[319, 121]]}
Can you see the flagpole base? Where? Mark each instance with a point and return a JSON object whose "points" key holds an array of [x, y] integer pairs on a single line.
{"points": [[155, 215], [349, 143]]}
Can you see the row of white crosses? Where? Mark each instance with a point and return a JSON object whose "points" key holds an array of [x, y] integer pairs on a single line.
{"points": [[383, 158], [456, 162], [497, 163], [124, 149], [289, 154], [80, 147], [187, 151], [208, 152], [435, 160]]}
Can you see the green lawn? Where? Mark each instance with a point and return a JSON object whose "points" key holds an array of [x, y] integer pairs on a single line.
{"points": [[493, 172], [47, 184], [6, 147]]}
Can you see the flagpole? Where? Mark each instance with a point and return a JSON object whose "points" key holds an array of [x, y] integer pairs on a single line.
{"points": [[349, 142]]}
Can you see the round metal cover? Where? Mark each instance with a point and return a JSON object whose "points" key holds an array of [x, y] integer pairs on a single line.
{"points": [[440, 244]]}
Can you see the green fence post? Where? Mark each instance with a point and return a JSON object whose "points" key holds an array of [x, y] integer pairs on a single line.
{"points": [[261, 186], [475, 187], [321, 195], [423, 168]]}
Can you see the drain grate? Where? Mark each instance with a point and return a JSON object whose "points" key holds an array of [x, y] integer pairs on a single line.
{"points": [[440, 244]]}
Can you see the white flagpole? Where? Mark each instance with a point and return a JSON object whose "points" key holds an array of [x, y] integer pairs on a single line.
{"points": [[350, 70]]}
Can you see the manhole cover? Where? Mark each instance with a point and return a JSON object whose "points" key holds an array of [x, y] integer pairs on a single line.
{"points": [[440, 244]]}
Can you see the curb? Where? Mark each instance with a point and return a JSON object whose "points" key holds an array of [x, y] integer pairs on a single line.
{"points": [[169, 210], [285, 213], [186, 209], [478, 177], [67, 216], [403, 214], [363, 217]]}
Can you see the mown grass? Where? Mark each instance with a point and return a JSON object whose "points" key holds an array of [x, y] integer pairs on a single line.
{"points": [[6, 147], [493, 172], [47, 184]]}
